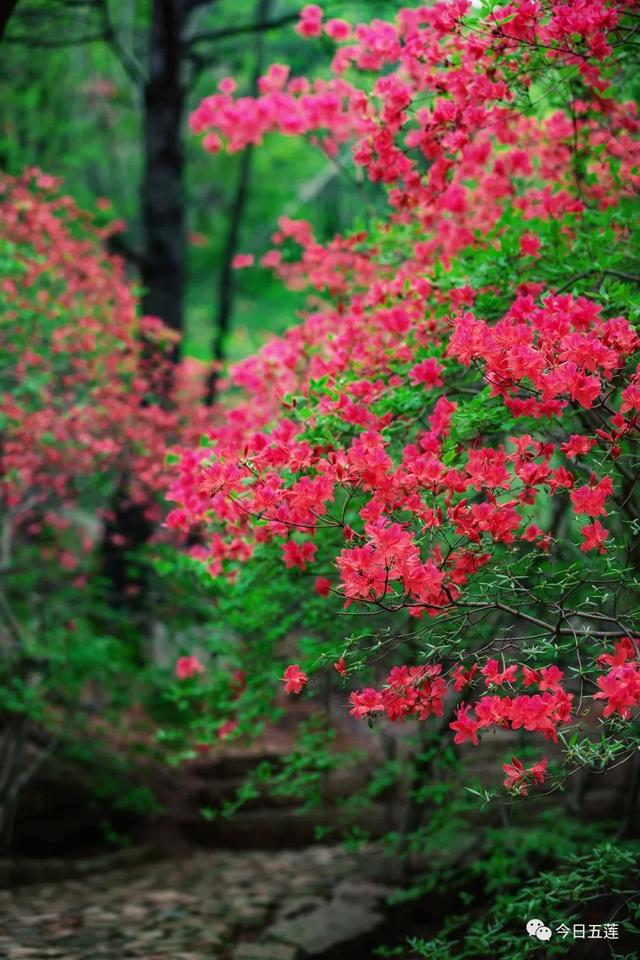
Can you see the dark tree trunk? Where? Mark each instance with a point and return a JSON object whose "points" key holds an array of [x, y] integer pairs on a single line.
{"points": [[162, 262], [236, 213], [6, 9], [125, 532], [226, 284], [163, 203], [12, 749]]}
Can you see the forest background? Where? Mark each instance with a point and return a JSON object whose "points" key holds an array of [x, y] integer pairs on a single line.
{"points": [[99, 94]]}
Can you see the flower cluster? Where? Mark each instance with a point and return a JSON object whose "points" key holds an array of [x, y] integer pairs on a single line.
{"points": [[620, 687], [294, 679], [540, 712], [459, 399], [519, 777], [421, 691], [187, 667], [83, 399], [417, 691]]}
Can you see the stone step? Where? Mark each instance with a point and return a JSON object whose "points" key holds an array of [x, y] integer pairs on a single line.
{"points": [[286, 827]]}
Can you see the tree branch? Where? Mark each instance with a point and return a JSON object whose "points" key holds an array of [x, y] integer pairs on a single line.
{"points": [[258, 27], [620, 274], [128, 62]]}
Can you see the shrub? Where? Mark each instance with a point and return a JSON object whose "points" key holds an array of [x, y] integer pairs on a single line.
{"points": [[446, 445], [89, 404]]}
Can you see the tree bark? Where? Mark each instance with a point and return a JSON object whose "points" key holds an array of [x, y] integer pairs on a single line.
{"points": [[162, 262], [236, 213], [12, 748], [126, 530], [163, 202]]}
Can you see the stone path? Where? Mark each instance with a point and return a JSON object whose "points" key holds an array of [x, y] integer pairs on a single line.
{"points": [[249, 905]]}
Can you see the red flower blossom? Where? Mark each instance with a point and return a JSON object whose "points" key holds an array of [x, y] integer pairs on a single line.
{"points": [[518, 778], [577, 446], [621, 689], [241, 260], [495, 677], [465, 726], [294, 679], [322, 586], [463, 678], [590, 499], [529, 245], [595, 536], [366, 702], [187, 667], [427, 372]]}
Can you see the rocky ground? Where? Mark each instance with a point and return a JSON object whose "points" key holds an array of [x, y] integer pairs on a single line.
{"points": [[321, 902]]}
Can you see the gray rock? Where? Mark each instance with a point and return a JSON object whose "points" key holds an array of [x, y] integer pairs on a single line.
{"points": [[362, 891], [298, 906], [325, 926]]}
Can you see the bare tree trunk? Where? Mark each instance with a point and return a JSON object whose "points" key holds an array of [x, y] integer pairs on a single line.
{"points": [[236, 213], [163, 202], [126, 530], [163, 260], [12, 748]]}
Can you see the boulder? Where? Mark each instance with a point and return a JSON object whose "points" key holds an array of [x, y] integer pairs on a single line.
{"points": [[317, 929]]}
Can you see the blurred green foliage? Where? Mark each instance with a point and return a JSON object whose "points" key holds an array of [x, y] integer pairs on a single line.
{"points": [[75, 112]]}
